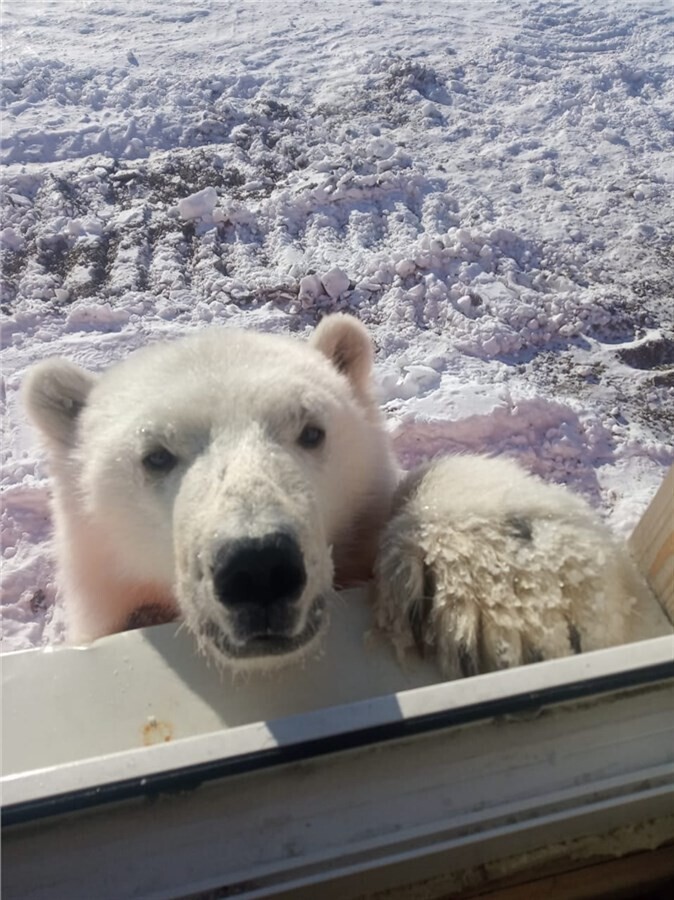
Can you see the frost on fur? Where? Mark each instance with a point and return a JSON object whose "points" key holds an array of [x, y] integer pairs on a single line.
{"points": [[234, 479]]}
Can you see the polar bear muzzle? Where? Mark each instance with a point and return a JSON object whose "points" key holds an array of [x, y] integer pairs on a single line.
{"points": [[259, 580], [262, 645]]}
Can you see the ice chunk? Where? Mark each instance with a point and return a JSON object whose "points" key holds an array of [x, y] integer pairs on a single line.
{"points": [[198, 205], [311, 286], [10, 238], [335, 282]]}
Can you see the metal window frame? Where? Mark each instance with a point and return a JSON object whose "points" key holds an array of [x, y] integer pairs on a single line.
{"points": [[175, 767]]}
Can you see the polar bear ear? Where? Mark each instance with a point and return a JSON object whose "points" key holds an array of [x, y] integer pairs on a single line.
{"points": [[55, 393], [348, 345]]}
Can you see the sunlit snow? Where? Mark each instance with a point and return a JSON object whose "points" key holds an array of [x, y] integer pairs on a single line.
{"points": [[487, 185]]}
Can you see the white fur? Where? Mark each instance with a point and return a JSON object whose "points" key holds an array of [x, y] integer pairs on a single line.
{"points": [[488, 567], [230, 406]]}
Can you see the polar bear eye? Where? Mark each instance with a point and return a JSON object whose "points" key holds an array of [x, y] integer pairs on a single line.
{"points": [[311, 437], [159, 460]]}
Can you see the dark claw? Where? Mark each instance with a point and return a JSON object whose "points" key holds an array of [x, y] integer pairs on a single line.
{"points": [[532, 654], [520, 527], [420, 610], [574, 639], [467, 662]]}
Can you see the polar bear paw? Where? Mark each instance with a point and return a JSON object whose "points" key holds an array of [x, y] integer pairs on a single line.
{"points": [[485, 567]]}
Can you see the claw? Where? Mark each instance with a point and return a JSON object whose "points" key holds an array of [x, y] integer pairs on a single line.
{"points": [[574, 639], [531, 654], [520, 527], [467, 662], [420, 610]]}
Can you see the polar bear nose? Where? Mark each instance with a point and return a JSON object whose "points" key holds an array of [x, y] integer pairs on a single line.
{"points": [[259, 571]]}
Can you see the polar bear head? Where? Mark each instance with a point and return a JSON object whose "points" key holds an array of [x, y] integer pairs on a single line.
{"points": [[229, 476]]}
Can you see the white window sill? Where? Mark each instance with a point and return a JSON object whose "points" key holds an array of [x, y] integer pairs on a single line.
{"points": [[318, 774]]}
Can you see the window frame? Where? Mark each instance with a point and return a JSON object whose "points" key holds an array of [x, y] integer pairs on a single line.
{"points": [[487, 709]]}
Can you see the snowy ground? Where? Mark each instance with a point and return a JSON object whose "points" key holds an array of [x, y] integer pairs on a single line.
{"points": [[493, 178]]}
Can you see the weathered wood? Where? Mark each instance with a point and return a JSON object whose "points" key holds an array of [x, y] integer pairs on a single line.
{"points": [[649, 874], [652, 544]]}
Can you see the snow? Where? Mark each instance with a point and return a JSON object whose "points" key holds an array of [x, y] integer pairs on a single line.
{"points": [[335, 283], [199, 205], [488, 186]]}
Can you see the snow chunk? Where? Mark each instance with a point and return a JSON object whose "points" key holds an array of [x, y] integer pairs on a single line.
{"points": [[419, 379], [381, 148], [18, 199], [91, 314], [198, 205], [310, 287], [405, 267], [10, 238], [430, 111], [467, 305], [335, 282], [132, 216]]}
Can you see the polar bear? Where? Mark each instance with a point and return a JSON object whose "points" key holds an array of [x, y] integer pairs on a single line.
{"points": [[234, 479]]}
